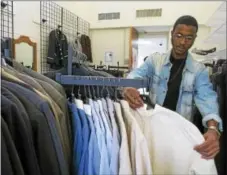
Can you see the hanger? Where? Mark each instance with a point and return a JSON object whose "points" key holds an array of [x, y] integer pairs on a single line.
{"points": [[104, 88], [72, 94], [79, 95], [116, 99], [86, 95]]}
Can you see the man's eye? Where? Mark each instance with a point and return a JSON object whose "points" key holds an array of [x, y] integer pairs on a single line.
{"points": [[188, 37], [179, 36]]}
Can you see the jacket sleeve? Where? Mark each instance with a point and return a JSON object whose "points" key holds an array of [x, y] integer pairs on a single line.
{"points": [[206, 99], [51, 55], [145, 70]]}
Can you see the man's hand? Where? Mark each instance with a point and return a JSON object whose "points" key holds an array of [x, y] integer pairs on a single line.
{"points": [[210, 148], [132, 96]]}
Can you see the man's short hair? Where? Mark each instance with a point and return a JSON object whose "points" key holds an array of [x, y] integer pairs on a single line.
{"points": [[187, 20]]}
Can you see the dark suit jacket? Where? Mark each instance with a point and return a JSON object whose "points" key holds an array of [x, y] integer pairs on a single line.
{"points": [[44, 145], [42, 106], [57, 50], [86, 47], [21, 134], [11, 164]]}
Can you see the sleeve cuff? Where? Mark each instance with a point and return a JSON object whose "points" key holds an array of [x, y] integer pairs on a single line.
{"points": [[212, 117]]}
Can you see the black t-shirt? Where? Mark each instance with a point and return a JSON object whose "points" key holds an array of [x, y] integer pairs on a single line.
{"points": [[174, 82]]}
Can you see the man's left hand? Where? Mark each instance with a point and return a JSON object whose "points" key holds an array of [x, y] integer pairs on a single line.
{"points": [[210, 148]]}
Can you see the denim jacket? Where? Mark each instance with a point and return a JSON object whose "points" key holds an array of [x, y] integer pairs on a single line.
{"points": [[195, 89]]}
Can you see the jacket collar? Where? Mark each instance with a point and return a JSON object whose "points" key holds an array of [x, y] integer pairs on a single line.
{"points": [[189, 61]]}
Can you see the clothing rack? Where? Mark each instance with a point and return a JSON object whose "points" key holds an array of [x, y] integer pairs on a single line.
{"points": [[97, 81], [101, 81], [117, 67]]}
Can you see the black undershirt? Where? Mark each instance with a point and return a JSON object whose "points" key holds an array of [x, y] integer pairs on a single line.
{"points": [[172, 95]]}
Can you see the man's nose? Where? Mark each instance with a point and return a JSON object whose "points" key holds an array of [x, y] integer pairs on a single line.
{"points": [[182, 41]]}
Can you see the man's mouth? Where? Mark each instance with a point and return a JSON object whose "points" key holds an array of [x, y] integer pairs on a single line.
{"points": [[180, 49]]}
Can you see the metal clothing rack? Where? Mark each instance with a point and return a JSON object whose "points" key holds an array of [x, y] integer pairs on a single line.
{"points": [[101, 81], [53, 16], [7, 28], [97, 81]]}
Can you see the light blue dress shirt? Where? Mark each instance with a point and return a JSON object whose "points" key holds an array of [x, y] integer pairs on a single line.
{"points": [[85, 136], [93, 149], [77, 139], [114, 163], [108, 135], [104, 162]]}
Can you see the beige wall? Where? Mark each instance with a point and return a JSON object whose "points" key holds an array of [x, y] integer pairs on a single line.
{"points": [[115, 40]]}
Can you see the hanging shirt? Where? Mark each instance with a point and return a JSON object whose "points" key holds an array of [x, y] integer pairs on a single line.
{"points": [[108, 135], [138, 149], [105, 110], [104, 162], [114, 166], [77, 139], [85, 136], [125, 166], [171, 141], [93, 161]]}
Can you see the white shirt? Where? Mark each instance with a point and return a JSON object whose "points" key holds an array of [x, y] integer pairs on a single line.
{"points": [[125, 166], [138, 149], [171, 139]]}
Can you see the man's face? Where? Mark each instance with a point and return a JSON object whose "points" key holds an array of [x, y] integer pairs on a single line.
{"points": [[183, 37]]}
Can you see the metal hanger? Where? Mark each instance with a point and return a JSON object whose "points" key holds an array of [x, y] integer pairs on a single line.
{"points": [[105, 88]]}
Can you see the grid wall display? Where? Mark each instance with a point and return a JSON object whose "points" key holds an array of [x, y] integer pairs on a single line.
{"points": [[53, 16], [7, 28]]}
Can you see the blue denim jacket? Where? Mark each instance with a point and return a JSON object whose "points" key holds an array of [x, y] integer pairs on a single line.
{"points": [[195, 89]]}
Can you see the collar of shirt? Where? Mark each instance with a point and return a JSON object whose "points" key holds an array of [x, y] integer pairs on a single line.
{"points": [[189, 62]]}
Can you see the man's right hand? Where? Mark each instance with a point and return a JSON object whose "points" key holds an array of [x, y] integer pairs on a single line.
{"points": [[132, 96]]}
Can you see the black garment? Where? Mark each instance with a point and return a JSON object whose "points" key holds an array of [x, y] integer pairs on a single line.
{"points": [[11, 164], [172, 95], [42, 106], [221, 158], [41, 133], [57, 50], [5, 160], [86, 47], [21, 135], [6, 47]]}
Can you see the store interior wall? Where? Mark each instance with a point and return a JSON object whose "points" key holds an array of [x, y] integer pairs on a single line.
{"points": [[27, 20], [202, 10], [114, 34], [115, 40]]}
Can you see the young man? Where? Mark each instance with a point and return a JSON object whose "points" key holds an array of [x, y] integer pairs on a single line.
{"points": [[179, 82]]}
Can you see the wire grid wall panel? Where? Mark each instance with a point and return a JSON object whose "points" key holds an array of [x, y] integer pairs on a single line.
{"points": [[7, 24], [53, 16], [50, 19]]}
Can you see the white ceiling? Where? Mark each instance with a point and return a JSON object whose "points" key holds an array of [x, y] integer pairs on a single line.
{"points": [[217, 22]]}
